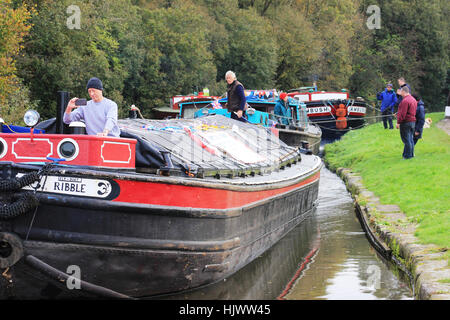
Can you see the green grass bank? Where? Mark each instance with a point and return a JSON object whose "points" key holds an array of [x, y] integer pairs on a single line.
{"points": [[419, 186]]}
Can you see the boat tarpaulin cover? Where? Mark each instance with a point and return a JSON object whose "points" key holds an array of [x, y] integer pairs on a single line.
{"points": [[210, 143]]}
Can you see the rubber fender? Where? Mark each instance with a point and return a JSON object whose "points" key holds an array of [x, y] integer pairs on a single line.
{"points": [[341, 111], [11, 249], [341, 123]]}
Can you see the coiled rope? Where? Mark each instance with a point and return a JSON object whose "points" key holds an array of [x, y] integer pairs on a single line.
{"points": [[18, 183], [25, 202]]}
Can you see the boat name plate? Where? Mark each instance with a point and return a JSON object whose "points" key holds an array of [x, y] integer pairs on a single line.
{"points": [[74, 186]]}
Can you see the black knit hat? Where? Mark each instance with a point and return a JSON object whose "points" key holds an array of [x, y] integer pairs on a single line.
{"points": [[95, 83]]}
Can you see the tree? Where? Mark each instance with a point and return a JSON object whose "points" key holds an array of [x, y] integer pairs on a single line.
{"points": [[14, 26], [298, 47], [413, 42], [335, 22], [178, 60], [247, 44], [58, 57]]}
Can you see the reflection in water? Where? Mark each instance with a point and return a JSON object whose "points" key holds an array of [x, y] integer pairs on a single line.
{"points": [[346, 266], [327, 256], [266, 277]]}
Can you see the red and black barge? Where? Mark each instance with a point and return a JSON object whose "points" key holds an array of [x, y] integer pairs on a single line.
{"points": [[169, 206]]}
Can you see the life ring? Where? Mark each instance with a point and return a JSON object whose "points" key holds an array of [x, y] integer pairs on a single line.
{"points": [[11, 249]]}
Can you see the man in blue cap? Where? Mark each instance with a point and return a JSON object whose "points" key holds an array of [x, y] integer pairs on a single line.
{"points": [[388, 100], [99, 114]]}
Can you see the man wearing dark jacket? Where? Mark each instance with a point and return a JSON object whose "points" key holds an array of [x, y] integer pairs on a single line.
{"points": [[402, 83], [406, 121], [235, 97], [388, 100], [420, 118]]}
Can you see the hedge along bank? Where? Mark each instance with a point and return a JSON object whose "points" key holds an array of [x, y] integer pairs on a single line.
{"points": [[416, 229]]}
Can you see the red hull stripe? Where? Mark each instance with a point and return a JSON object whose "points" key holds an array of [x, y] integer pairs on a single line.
{"points": [[196, 197]]}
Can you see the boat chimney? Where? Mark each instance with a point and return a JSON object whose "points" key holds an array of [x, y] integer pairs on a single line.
{"points": [[77, 127], [62, 101], [1, 125]]}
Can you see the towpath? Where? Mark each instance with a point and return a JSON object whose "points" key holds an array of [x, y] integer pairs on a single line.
{"points": [[444, 125]]}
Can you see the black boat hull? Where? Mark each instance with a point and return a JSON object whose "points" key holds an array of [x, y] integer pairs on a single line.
{"points": [[144, 251], [328, 126]]}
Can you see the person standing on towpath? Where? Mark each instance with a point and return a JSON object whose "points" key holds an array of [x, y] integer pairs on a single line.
{"points": [[406, 121], [420, 118], [402, 83], [388, 101]]}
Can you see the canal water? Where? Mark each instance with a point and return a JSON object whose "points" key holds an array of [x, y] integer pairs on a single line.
{"points": [[326, 257]]}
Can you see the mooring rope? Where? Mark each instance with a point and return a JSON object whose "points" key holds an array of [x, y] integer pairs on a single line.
{"points": [[27, 201]]}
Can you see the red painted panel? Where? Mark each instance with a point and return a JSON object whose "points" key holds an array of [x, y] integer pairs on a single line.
{"points": [[27, 149], [116, 152], [196, 197], [120, 152]]}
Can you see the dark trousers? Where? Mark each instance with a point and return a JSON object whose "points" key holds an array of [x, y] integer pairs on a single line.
{"points": [[407, 135], [387, 117], [235, 117], [416, 138]]}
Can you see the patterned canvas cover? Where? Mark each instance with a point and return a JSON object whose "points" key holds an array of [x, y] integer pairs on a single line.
{"points": [[212, 142]]}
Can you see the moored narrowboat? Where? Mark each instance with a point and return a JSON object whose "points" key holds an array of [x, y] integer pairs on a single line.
{"points": [[335, 113], [169, 206], [295, 130]]}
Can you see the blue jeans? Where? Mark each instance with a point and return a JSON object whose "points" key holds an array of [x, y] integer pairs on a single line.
{"points": [[407, 135]]}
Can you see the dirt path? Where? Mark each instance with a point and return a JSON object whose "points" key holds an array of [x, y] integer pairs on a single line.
{"points": [[444, 125]]}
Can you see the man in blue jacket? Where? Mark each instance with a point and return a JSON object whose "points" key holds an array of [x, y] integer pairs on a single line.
{"points": [[388, 100], [420, 119]]}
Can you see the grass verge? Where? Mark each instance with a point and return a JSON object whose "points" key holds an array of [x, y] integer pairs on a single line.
{"points": [[419, 186]]}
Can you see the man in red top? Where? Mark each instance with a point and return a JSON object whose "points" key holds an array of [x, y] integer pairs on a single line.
{"points": [[406, 121]]}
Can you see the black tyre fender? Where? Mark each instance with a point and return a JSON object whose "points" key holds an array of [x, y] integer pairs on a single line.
{"points": [[11, 249]]}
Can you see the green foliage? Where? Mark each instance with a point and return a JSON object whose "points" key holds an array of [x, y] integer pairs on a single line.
{"points": [[298, 45], [14, 26], [59, 58], [179, 61], [413, 43], [244, 44], [418, 186], [146, 51]]}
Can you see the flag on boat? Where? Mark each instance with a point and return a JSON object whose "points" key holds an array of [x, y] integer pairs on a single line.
{"points": [[216, 104]]}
